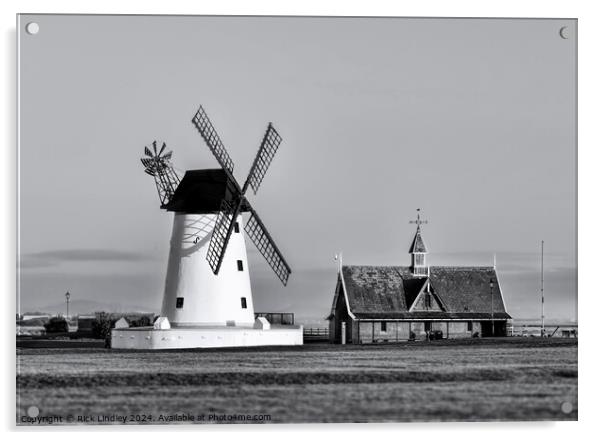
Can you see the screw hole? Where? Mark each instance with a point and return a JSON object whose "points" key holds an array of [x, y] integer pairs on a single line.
{"points": [[566, 407], [32, 28]]}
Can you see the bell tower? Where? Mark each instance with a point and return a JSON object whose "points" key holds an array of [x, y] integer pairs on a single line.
{"points": [[418, 249]]}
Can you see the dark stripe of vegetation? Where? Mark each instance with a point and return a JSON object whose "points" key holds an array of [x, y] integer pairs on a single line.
{"points": [[289, 378]]}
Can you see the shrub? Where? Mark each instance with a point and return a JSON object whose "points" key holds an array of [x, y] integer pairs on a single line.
{"points": [[36, 322], [101, 326], [143, 321], [57, 324]]}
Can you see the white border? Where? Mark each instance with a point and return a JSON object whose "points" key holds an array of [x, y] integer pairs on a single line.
{"points": [[590, 25]]}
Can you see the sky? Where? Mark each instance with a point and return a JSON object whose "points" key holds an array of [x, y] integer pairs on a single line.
{"points": [[471, 120]]}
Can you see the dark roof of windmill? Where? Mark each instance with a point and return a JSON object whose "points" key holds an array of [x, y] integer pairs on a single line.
{"points": [[379, 292], [417, 243], [202, 192]]}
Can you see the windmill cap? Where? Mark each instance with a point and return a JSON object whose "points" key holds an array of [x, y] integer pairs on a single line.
{"points": [[202, 192]]}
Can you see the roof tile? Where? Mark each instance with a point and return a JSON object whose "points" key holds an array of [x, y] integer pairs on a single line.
{"points": [[389, 291]]}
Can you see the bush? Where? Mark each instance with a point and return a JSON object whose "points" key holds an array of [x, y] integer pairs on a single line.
{"points": [[143, 321], [36, 322], [101, 326], [57, 324]]}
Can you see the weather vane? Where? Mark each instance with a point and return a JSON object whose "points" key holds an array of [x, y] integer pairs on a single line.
{"points": [[418, 221]]}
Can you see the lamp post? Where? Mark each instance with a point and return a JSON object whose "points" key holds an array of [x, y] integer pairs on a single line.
{"points": [[491, 290], [67, 297]]}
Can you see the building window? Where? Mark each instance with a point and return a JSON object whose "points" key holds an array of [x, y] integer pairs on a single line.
{"points": [[243, 303], [427, 326], [383, 326], [239, 264], [179, 302], [427, 301], [236, 227], [420, 270], [469, 326]]}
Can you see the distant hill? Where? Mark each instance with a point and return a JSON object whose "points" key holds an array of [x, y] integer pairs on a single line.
{"points": [[85, 307]]}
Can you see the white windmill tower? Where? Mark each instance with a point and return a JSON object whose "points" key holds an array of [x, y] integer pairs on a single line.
{"points": [[207, 288]]}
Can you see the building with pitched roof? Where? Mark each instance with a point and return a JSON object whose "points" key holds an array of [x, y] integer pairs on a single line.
{"points": [[399, 303]]}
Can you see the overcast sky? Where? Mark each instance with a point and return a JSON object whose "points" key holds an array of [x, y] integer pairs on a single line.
{"points": [[471, 120]]}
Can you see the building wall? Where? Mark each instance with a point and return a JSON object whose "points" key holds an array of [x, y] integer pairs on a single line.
{"points": [[457, 330], [355, 332], [422, 304], [331, 330], [461, 329], [418, 329], [208, 299], [335, 324], [368, 332], [403, 331], [442, 326]]}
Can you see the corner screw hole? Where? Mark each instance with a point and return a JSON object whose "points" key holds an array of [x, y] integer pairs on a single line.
{"points": [[32, 28]]}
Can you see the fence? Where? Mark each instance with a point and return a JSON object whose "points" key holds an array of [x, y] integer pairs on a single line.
{"points": [[315, 334], [550, 331], [277, 318]]}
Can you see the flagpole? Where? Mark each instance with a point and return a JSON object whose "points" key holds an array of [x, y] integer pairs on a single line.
{"points": [[543, 328]]}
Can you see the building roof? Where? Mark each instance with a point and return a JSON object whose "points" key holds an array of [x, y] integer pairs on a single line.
{"points": [[202, 191], [388, 292], [417, 243]]}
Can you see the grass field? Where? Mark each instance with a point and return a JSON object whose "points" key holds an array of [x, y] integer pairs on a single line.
{"points": [[477, 379]]}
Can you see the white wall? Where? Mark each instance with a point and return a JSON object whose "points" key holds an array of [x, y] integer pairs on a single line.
{"points": [[149, 339], [208, 299]]}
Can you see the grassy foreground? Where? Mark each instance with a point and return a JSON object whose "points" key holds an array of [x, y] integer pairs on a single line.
{"points": [[503, 379]]}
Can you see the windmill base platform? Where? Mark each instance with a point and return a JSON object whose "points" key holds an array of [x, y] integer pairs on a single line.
{"points": [[149, 338]]}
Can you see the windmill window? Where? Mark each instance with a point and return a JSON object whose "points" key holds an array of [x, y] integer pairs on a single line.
{"points": [[383, 326], [179, 302], [239, 264], [236, 227], [243, 303]]}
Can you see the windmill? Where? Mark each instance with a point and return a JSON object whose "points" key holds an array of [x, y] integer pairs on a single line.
{"points": [[158, 165], [207, 280]]}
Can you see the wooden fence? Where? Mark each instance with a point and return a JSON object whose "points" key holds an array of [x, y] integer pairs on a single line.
{"points": [[315, 334]]}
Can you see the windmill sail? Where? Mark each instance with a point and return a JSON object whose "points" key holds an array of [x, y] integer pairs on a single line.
{"points": [[203, 124], [224, 224], [265, 154], [229, 211], [259, 235]]}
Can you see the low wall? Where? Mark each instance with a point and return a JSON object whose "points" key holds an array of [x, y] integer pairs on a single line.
{"points": [[179, 338]]}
